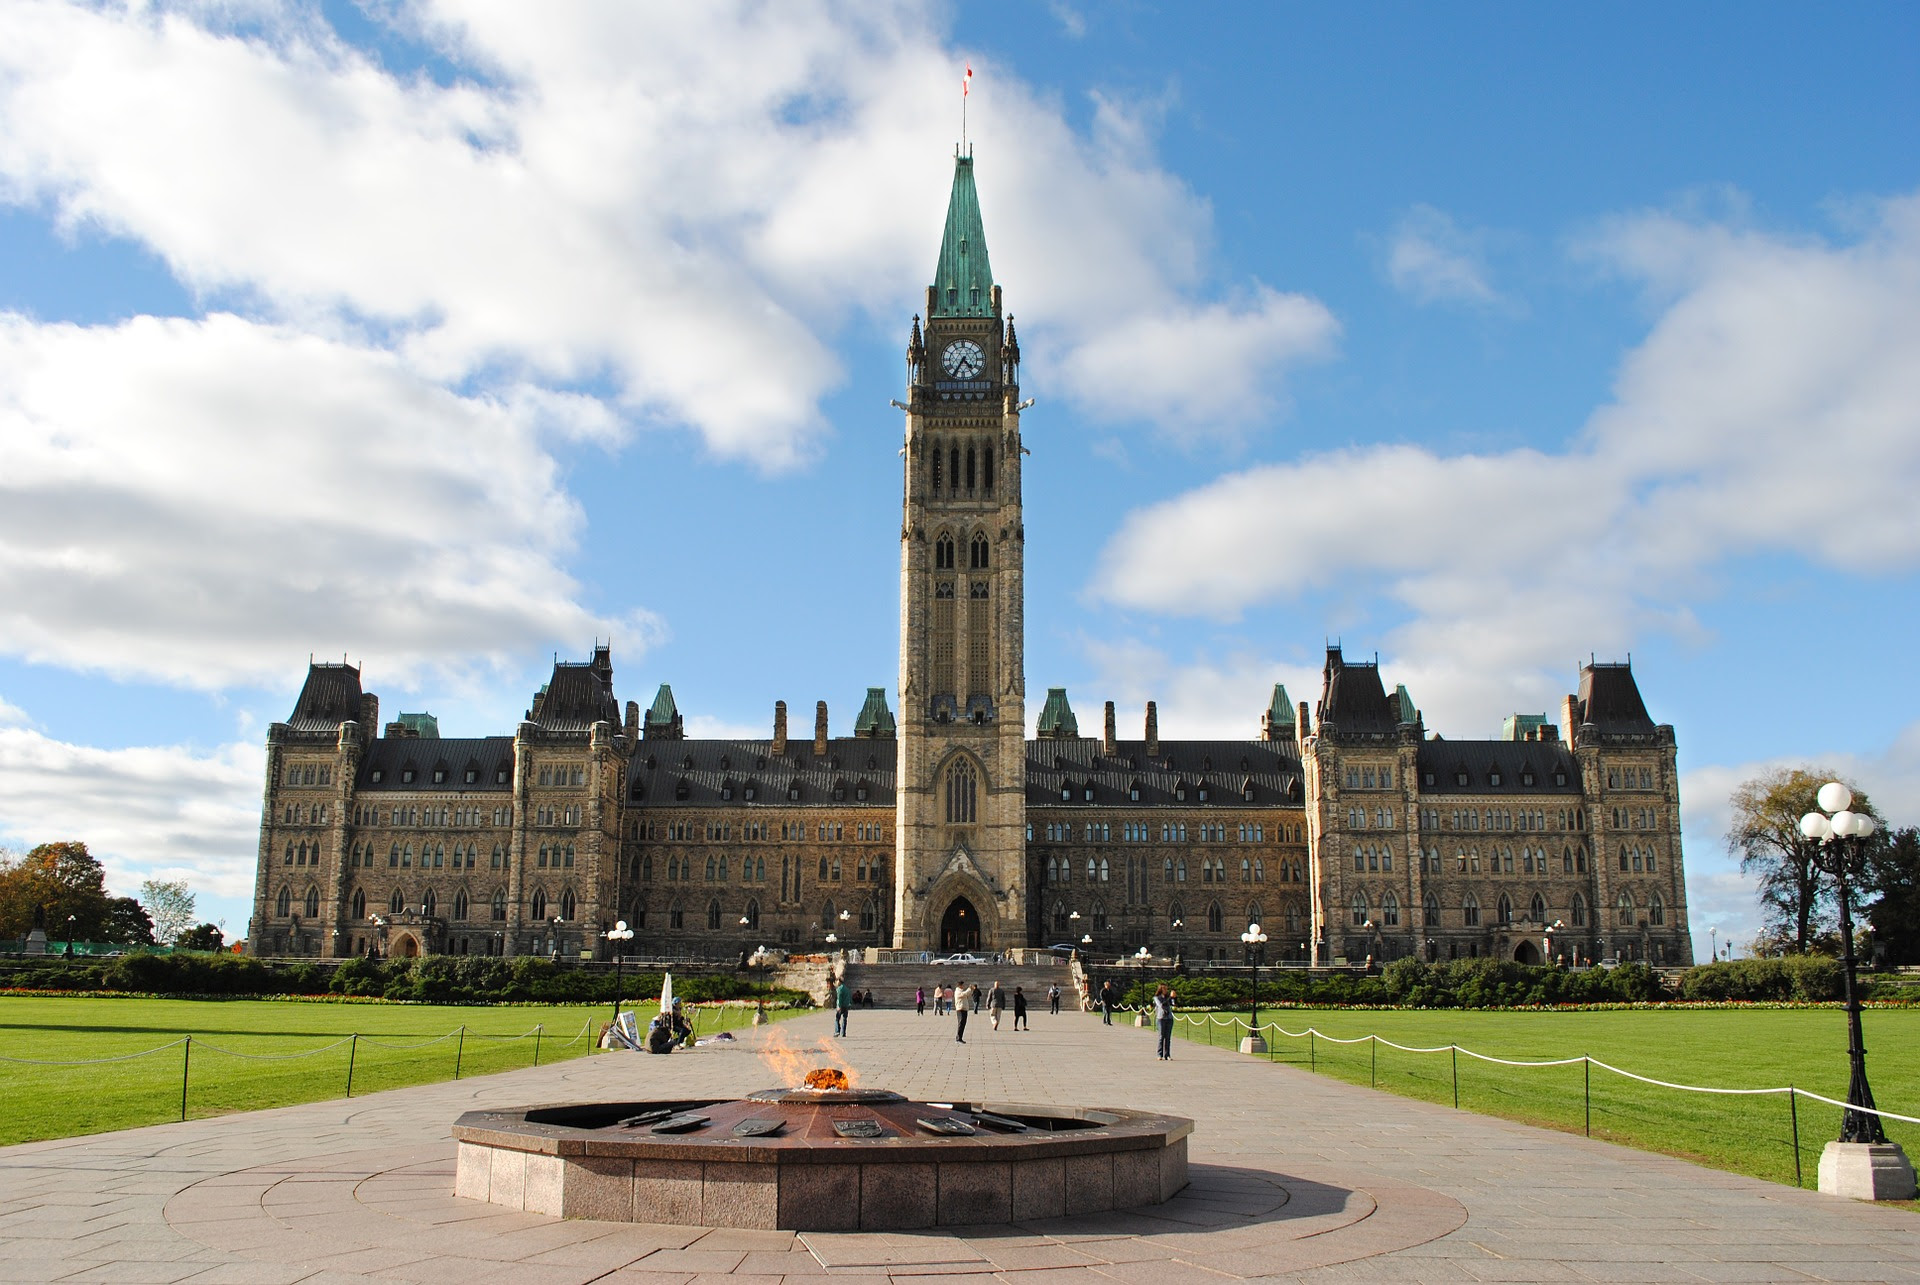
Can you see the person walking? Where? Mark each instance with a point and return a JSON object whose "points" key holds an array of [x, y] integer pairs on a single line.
{"points": [[920, 1001], [1020, 1010], [978, 998], [842, 1002], [1163, 1018], [962, 998], [996, 1004], [1106, 1003], [1053, 999]]}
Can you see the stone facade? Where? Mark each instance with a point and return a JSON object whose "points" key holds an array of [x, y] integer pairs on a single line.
{"points": [[1348, 831]]}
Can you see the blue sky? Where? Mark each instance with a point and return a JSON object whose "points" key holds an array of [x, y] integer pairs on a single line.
{"points": [[450, 337]]}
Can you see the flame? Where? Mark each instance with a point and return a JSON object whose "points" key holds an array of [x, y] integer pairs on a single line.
{"points": [[795, 1066], [827, 1077]]}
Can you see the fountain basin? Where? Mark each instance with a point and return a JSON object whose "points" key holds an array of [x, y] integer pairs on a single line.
{"points": [[811, 1160]]}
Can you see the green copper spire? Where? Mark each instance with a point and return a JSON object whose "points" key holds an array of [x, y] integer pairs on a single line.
{"points": [[963, 283], [1057, 722], [876, 720], [1280, 709]]}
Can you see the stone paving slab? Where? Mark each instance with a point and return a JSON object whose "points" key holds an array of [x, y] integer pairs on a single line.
{"points": [[1294, 1177]]}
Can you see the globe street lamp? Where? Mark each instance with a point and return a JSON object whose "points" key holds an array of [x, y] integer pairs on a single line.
{"points": [[619, 935], [1552, 928], [1862, 1163], [1255, 942], [1713, 944]]}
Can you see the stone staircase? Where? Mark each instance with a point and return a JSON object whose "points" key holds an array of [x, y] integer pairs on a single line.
{"points": [[893, 985]]}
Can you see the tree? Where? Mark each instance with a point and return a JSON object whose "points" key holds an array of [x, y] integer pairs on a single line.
{"points": [[55, 880], [205, 937], [171, 906], [1893, 874], [127, 923], [1796, 901]]}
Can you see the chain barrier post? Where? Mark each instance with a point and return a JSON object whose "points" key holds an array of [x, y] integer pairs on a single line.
{"points": [[459, 1050], [1586, 1070], [1455, 1048], [186, 1060], [1313, 1051], [536, 1042], [1373, 1061], [353, 1050], [1793, 1111]]}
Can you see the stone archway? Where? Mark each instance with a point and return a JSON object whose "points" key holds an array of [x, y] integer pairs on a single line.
{"points": [[1526, 952], [406, 946], [959, 926]]}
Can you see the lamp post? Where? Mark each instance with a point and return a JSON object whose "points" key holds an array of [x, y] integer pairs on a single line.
{"points": [[1255, 942], [1179, 946], [619, 935], [71, 919], [1713, 944], [1552, 928], [1861, 1163]]}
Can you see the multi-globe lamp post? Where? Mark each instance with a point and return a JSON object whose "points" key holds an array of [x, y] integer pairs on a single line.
{"points": [[1861, 1163], [1255, 942], [619, 935]]}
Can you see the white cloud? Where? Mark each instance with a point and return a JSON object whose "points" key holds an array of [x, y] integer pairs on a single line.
{"points": [[684, 201], [1433, 260], [237, 496], [1205, 697], [1774, 364], [12, 715], [150, 812]]}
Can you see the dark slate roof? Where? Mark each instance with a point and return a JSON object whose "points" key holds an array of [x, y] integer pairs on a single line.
{"points": [[1225, 766], [577, 696], [330, 697], [703, 768], [1610, 699], [486, 756], [1352, 698], [1513, 760]]}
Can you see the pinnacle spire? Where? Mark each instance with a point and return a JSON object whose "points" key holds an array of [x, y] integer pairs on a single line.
{"points": [[963, 281]]}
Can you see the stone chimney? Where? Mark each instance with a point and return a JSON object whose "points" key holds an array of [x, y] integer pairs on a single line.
{"points": [[820, 729], [1109, 738], [1153, 730], [779, 728], [633, 722], [369, 709]]}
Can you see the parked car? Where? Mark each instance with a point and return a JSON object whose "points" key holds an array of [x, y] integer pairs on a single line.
{"points": [[961, 958]]}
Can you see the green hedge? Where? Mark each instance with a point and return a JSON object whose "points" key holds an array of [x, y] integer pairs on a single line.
{"points": [[1793, 977], [1462, 983], [440, 979]]}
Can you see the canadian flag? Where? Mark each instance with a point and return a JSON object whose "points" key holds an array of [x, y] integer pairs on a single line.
{"points": [[966, 81]]}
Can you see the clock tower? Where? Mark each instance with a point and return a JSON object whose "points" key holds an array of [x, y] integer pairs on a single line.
{"points": [[960, 857]]}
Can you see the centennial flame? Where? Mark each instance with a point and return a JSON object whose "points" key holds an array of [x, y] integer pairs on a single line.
{"points": [[797, 1067]]}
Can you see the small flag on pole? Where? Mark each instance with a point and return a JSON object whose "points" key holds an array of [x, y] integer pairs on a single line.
{"points": [[966, 81]]}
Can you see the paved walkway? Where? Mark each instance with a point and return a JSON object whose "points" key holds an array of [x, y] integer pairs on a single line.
{"points": [[1294, 1176]]}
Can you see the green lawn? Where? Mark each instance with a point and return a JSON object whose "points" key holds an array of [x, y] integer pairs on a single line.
{"points": [[249, 1054], [1722, 1048]]}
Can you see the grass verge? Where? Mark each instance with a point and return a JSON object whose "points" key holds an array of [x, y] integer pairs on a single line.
{"points": [[1715, 1048], [251, 1054]]}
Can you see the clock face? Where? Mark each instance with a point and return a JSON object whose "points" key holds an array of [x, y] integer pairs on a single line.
{"points": [[963, 359]]}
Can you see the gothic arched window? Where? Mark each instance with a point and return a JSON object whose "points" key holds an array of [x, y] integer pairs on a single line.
{"points": [[943, 553], [1506, 909], [359, 903], [429, 904], [396, 903], [1215, 919], [566, 904], [962, 790], [460, 905], [540, 904], [1430, 911], [1390, 910], [283, 906], [977, 553], [1579, 911], [868, 915], [1359, 910], [1656, 911], [752, 913], [1470, 911], [499, 905], [1538, 911], [713, 914]]}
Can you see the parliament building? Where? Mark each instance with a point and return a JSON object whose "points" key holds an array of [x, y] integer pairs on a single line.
{"points": [[1348, 830]]}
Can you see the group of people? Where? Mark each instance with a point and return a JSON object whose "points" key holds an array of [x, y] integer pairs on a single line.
{"points": [[1161, 1007], [669, 1030]]}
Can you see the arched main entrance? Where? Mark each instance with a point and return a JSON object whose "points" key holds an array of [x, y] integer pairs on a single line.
{"points": [[1526, 953], [960, 926], [405, 947]]}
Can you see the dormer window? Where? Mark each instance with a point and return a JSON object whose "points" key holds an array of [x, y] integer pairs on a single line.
{"points": [[1133, 792], [406, 776], [749, 792], [682, 790], [651, 763], [1089, 792], [375, 775], [839, 792], [473, 775], [1460, 778], [1526, 778], [1559, 778], [793, 792], [1493, 778], [500, 776], [1427, 779], [1180, 791], [726, 791], [860, 792], [1203, 792], [636, 790], [439, 776], [1066, 792], [761, 763], [724, 764]]}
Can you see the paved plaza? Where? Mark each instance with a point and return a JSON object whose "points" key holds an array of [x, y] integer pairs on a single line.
{"points": [[1294, 1176]]}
